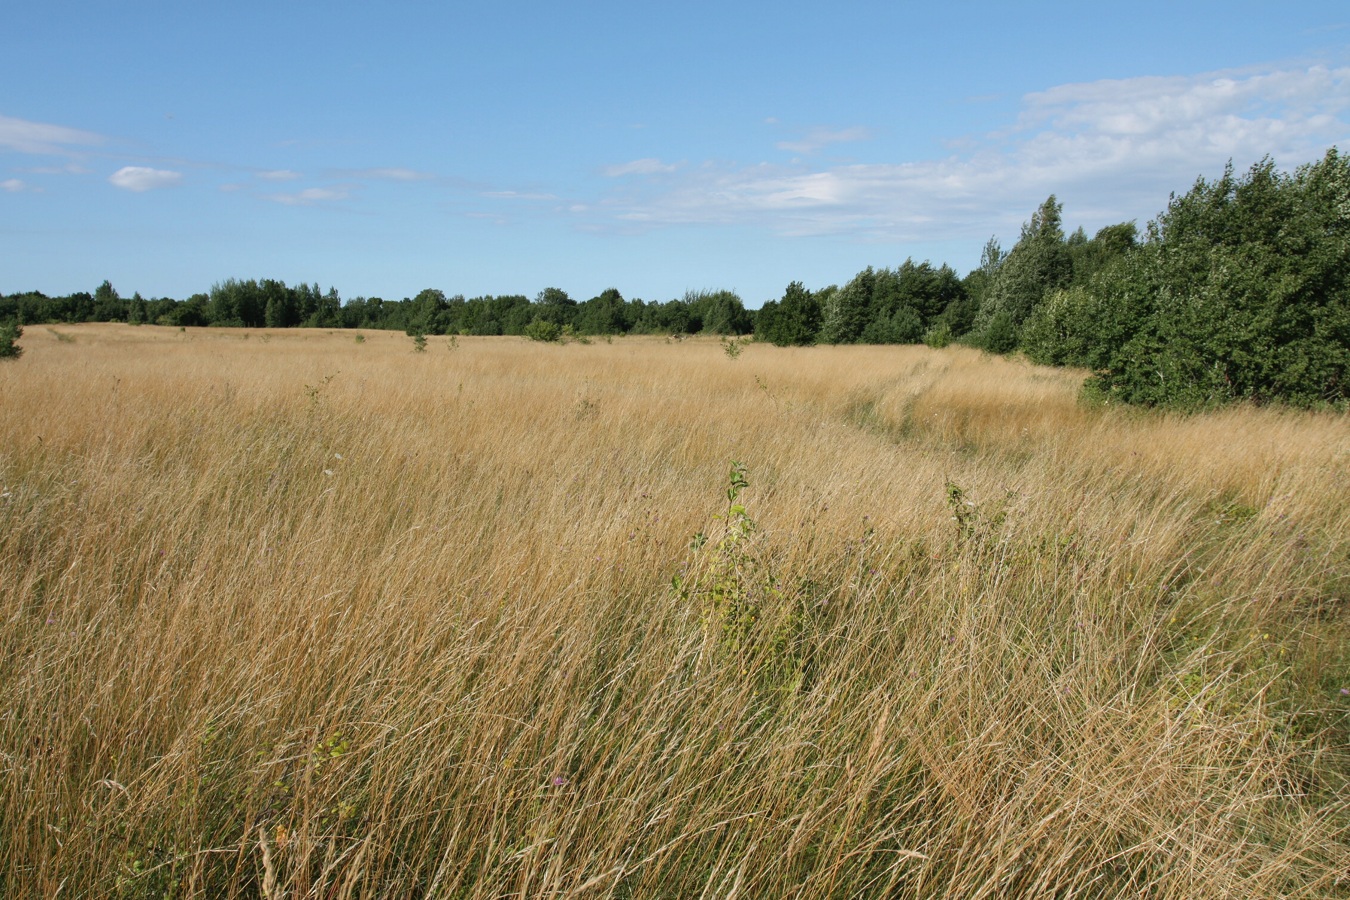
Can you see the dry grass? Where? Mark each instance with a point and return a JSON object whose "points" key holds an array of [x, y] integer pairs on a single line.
{"points": [[293, 616]]}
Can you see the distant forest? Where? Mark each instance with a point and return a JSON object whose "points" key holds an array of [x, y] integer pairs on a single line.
{"points": [[1239, 290]]}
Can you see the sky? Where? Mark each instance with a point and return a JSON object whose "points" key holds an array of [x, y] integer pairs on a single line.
{"points": [[506, 147]]}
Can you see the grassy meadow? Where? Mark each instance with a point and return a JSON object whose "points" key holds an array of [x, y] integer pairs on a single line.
{"points": [[312, 615]]}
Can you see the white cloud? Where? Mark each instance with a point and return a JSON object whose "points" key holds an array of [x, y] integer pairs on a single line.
{"points": [[12, 185], [389, 173], [67, 169], [41, 138], [1111, 150], [310, 196], [519, 195], [819, 138], [279, 175], [640, 167], [141, 179]]}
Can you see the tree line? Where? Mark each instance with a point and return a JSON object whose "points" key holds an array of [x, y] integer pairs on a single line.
{"points": [[269, 303], [1237, 291]]}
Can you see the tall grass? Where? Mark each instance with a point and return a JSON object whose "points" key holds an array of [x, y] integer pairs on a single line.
{"points": [[302, 617]]}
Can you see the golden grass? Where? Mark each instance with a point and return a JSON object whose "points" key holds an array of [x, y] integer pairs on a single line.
{"points": [[285, 615]]}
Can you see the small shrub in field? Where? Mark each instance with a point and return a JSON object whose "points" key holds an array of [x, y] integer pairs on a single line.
{"points": [[9, 333], [733, 348], [749, 622], [938, 336], [541, 330]]}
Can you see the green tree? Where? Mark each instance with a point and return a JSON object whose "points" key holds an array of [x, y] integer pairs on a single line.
{"points": [[793, 320], [237, 304], [138, 310], [279, 305], [1241, 292], [603, 314], [845, 313], [429, 313], [1092, 256], [1038, 264], [554, 305], [717, 312], [108, 306]]}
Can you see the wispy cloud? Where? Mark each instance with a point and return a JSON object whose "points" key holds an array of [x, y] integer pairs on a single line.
{"points": [[817, 139], [13, 186], [67, 169], [310, 196], [41, 138], [519, 195], [278, 175], [647, 166], [141, 178], [1112, 150], [390, 173]]}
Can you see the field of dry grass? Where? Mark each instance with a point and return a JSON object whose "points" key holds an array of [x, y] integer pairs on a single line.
{"points": [[294, 615]]}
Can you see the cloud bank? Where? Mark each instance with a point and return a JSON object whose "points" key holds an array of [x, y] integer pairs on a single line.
{"points": [[1111, 150]]}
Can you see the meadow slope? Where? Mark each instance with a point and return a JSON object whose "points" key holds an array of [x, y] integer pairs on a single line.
{"points": [[293, 615]]}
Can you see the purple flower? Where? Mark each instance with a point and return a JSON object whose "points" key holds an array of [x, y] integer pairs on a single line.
{"points": [[1345, 692], [559, 781]]}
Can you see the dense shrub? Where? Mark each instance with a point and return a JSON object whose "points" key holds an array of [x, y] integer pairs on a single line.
{"points": [[1239, 293], [9, 333]]}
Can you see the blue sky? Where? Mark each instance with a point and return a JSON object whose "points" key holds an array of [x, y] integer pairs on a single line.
{"points": [[508, 147]]}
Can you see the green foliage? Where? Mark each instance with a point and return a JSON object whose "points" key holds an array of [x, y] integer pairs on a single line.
{"points": [[541, 329], [1242, 292], [1063, 329], [844, 314], [605, 314], [939, 335], [554, 306], [891, 306], [429, 313], [901, 326], [1038, 264], [998, 333], [718, 312], [419, 342], [792, 321], [108, 306], [978, 527], [733, 347], [9, 333], [750, 623]]}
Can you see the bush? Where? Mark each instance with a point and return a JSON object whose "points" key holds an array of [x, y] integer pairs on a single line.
{"points": [[543, 330], [1241, 293], [9, 333], [939, 335]]}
